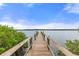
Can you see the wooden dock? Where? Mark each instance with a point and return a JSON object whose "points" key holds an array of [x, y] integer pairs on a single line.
{"points": [[39, 47]]}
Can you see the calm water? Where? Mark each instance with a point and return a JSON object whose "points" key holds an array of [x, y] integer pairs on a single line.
{"points": [[29, 33], [58, 36], [62, 36]]}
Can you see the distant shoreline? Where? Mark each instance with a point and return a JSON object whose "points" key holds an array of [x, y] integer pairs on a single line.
{"points": [[47, 29]]}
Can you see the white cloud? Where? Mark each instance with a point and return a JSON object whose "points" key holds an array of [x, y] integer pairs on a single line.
{"points": [[29, 4], [57, 26], [21, 24], [72, 8], [2, 5]]}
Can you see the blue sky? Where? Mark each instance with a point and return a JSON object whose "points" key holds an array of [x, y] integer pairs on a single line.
{"points": [[42, 15]]}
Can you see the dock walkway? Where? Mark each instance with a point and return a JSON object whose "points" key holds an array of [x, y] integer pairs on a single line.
{"points": [[39, 47]]}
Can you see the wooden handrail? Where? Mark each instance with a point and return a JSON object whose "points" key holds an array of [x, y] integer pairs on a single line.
{"points": [[51, 50], [60, 47], [56, 44], [15, 48], [48, 43]]}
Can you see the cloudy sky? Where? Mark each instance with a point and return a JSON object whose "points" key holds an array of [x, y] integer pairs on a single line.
{"points": [[42, 16]]}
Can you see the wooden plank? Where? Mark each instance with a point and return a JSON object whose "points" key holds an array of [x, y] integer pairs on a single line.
{"points": [[15, 48], [48, 43], [39, 47]]}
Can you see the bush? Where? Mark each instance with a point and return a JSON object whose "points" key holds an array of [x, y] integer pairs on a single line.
{"points": [[2, 50], [59, 53], [9, 37], [73, 46]]}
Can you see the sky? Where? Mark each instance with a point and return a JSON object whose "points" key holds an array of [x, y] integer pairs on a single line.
{"points": [[40, 15]]}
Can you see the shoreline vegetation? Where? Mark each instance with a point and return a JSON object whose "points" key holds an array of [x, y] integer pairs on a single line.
{"points": [[71, 45], [9, 37]]}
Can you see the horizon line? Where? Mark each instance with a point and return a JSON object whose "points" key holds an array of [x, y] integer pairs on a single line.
{"points": [[47, 29]]}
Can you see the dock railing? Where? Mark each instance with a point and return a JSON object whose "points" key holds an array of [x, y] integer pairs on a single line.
{"points": [[29, 40], [14, 50], [65, 51], [18, 46]]}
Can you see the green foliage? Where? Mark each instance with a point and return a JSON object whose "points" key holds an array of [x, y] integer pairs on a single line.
{"points": [[26, 45], [73, 46], [9, 37], [59, 53], [2, 50]]}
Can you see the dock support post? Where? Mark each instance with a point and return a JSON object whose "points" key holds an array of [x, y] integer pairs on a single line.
{"points": [[48, 41], [30, 43]]}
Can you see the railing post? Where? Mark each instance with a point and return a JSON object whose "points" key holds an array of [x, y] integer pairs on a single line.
{"points": [[48, 41], [30, 43], [49, 45], [35, 35]]}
